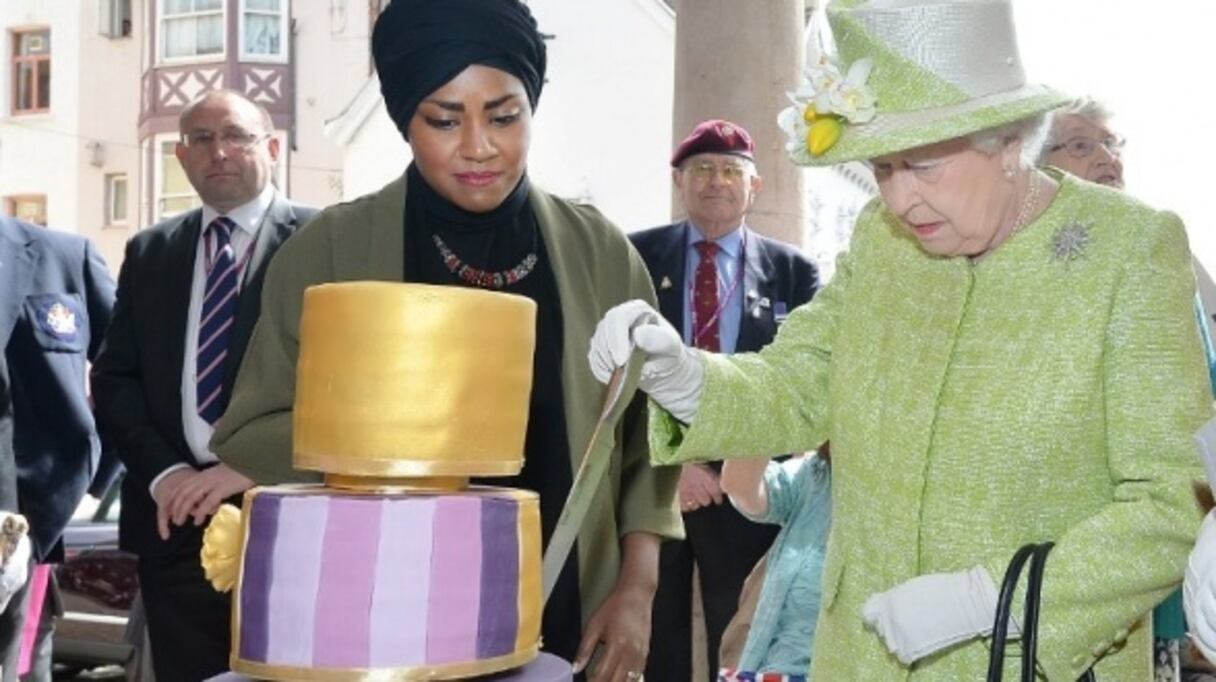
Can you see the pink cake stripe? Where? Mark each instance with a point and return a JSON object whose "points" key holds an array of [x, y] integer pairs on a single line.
{"points": [[296, 579], [403, 574], [453, 605], [348, 568]]}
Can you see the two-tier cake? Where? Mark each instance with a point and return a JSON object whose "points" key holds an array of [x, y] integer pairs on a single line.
{"points": [[395, 568]]}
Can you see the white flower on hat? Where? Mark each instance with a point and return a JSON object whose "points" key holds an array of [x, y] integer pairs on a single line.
{"points": [[822, 105]]}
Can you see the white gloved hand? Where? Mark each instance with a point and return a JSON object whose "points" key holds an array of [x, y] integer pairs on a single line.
{"points": [[1199, 589], [672, 373], [931, 612], [14, 570]]}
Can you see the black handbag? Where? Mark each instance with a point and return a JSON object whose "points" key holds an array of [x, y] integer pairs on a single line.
{"points": [[1036, 554]]}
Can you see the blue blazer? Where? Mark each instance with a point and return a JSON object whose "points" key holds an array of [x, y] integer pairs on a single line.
{"points": [[56, 295]]}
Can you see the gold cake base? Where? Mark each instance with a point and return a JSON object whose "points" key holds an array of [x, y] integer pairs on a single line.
{"points": [[453, 671]]}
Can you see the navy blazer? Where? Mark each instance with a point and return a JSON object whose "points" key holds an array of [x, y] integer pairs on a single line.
{"points": [[776, 277], [56, 296], [137, 378]]}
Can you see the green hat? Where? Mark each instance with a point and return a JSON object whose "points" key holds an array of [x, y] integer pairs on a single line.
{"points": [[910, 73]]}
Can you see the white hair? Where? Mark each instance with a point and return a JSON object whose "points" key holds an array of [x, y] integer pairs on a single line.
{"points": [[1032, 131], [1086, 107]]}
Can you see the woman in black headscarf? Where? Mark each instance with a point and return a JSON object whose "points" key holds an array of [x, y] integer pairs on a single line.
{"points": [[461, 79]]}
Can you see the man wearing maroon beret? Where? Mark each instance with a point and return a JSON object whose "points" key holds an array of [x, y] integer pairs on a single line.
{"points": [[727, 288]]}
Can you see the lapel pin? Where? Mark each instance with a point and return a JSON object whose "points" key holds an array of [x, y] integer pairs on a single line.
{"points": [[666, 283]]}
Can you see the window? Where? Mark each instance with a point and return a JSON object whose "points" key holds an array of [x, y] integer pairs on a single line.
{"points": [[31, 71], [116, 199], [263, 27], [115, 18], [174, 192], [191, 28], [28, 207]]}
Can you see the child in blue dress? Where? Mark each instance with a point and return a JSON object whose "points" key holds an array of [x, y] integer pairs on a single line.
{"points": [[796, 495]]}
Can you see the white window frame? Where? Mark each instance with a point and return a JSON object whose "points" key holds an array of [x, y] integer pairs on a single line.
{"points": [[109, 18], [158, 178], [112, 220], [190, 59], [284, 37]]}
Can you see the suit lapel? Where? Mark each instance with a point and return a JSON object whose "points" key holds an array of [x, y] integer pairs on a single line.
{"points": [[177, 273], [18, 259], [758, 293], [276, 226], [669, 274]]}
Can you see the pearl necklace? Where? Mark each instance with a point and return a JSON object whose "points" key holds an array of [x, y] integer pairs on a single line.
{"points": [[1028, 204]]}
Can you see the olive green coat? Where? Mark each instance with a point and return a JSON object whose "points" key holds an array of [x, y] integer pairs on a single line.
{"points": [[595, 268], [1046, 392]]}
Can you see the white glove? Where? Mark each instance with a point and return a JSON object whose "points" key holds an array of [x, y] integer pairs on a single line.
{"points": [[672, 373], [1199, 589], [931, 612], [16, 556]]}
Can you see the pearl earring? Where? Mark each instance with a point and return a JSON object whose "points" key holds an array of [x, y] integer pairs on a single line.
{"points": [[1009, 173]]}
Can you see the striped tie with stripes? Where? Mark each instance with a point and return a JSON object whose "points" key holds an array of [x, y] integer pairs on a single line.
{"points": [[215, 319]]}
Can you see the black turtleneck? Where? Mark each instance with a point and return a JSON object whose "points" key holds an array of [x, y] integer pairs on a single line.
{"points": [[497, 241]]}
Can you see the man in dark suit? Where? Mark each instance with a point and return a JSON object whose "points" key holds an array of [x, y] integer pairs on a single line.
{"points": [[55, 300], [727, 288], [188, 296]]}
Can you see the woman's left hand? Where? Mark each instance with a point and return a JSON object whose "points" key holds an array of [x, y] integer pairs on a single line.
{"points": [[622, 625]]}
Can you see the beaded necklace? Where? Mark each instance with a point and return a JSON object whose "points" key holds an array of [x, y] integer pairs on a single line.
{"points": [[484, 278]]}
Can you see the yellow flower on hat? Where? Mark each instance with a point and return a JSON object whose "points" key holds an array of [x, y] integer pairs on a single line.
{"points": [[824, 103], [822, 134]]}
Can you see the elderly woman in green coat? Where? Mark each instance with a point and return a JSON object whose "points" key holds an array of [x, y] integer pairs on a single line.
{"points": [[1004, 356]]}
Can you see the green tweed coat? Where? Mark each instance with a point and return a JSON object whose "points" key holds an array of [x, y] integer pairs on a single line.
{"points": [[594, 267], [1046, 392]]}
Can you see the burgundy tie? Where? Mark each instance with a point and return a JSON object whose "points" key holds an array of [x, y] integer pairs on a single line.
{"points": [[705, 299]]}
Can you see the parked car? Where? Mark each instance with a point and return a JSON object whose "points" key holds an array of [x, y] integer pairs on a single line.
{"points": [[102, 623]]}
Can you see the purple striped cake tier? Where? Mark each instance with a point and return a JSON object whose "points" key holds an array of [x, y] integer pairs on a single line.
{"points": [[335, 585]]}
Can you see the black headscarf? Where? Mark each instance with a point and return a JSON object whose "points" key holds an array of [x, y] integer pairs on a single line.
{"points": [[419, 45]]}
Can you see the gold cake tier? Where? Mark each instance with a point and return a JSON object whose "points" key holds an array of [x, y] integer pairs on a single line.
{"points": [[412, 380]]}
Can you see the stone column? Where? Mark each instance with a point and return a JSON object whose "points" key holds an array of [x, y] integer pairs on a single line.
{"points": [[736, 60]]}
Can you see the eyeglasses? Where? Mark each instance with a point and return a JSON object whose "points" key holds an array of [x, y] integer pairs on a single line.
{"points": [[1081, 147], [928, 170], [704, 171], [230, 138]]}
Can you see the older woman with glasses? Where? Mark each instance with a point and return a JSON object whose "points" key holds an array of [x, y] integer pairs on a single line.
{"points": [[1004, 356], [1079, 142]]}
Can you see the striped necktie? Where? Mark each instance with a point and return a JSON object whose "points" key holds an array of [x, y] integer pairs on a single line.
{"points": [[216, 318]]}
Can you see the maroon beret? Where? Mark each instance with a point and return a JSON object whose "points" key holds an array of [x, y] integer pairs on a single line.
{"points": [[715, 137]]}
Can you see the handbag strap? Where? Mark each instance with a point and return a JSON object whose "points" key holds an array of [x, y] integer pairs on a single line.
{"points": [[1000, 626], [1034, 590], [1036, 555]]}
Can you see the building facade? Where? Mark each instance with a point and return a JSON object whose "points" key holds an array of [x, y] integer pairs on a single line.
{"points": [[91, 92], [68, 146]]}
